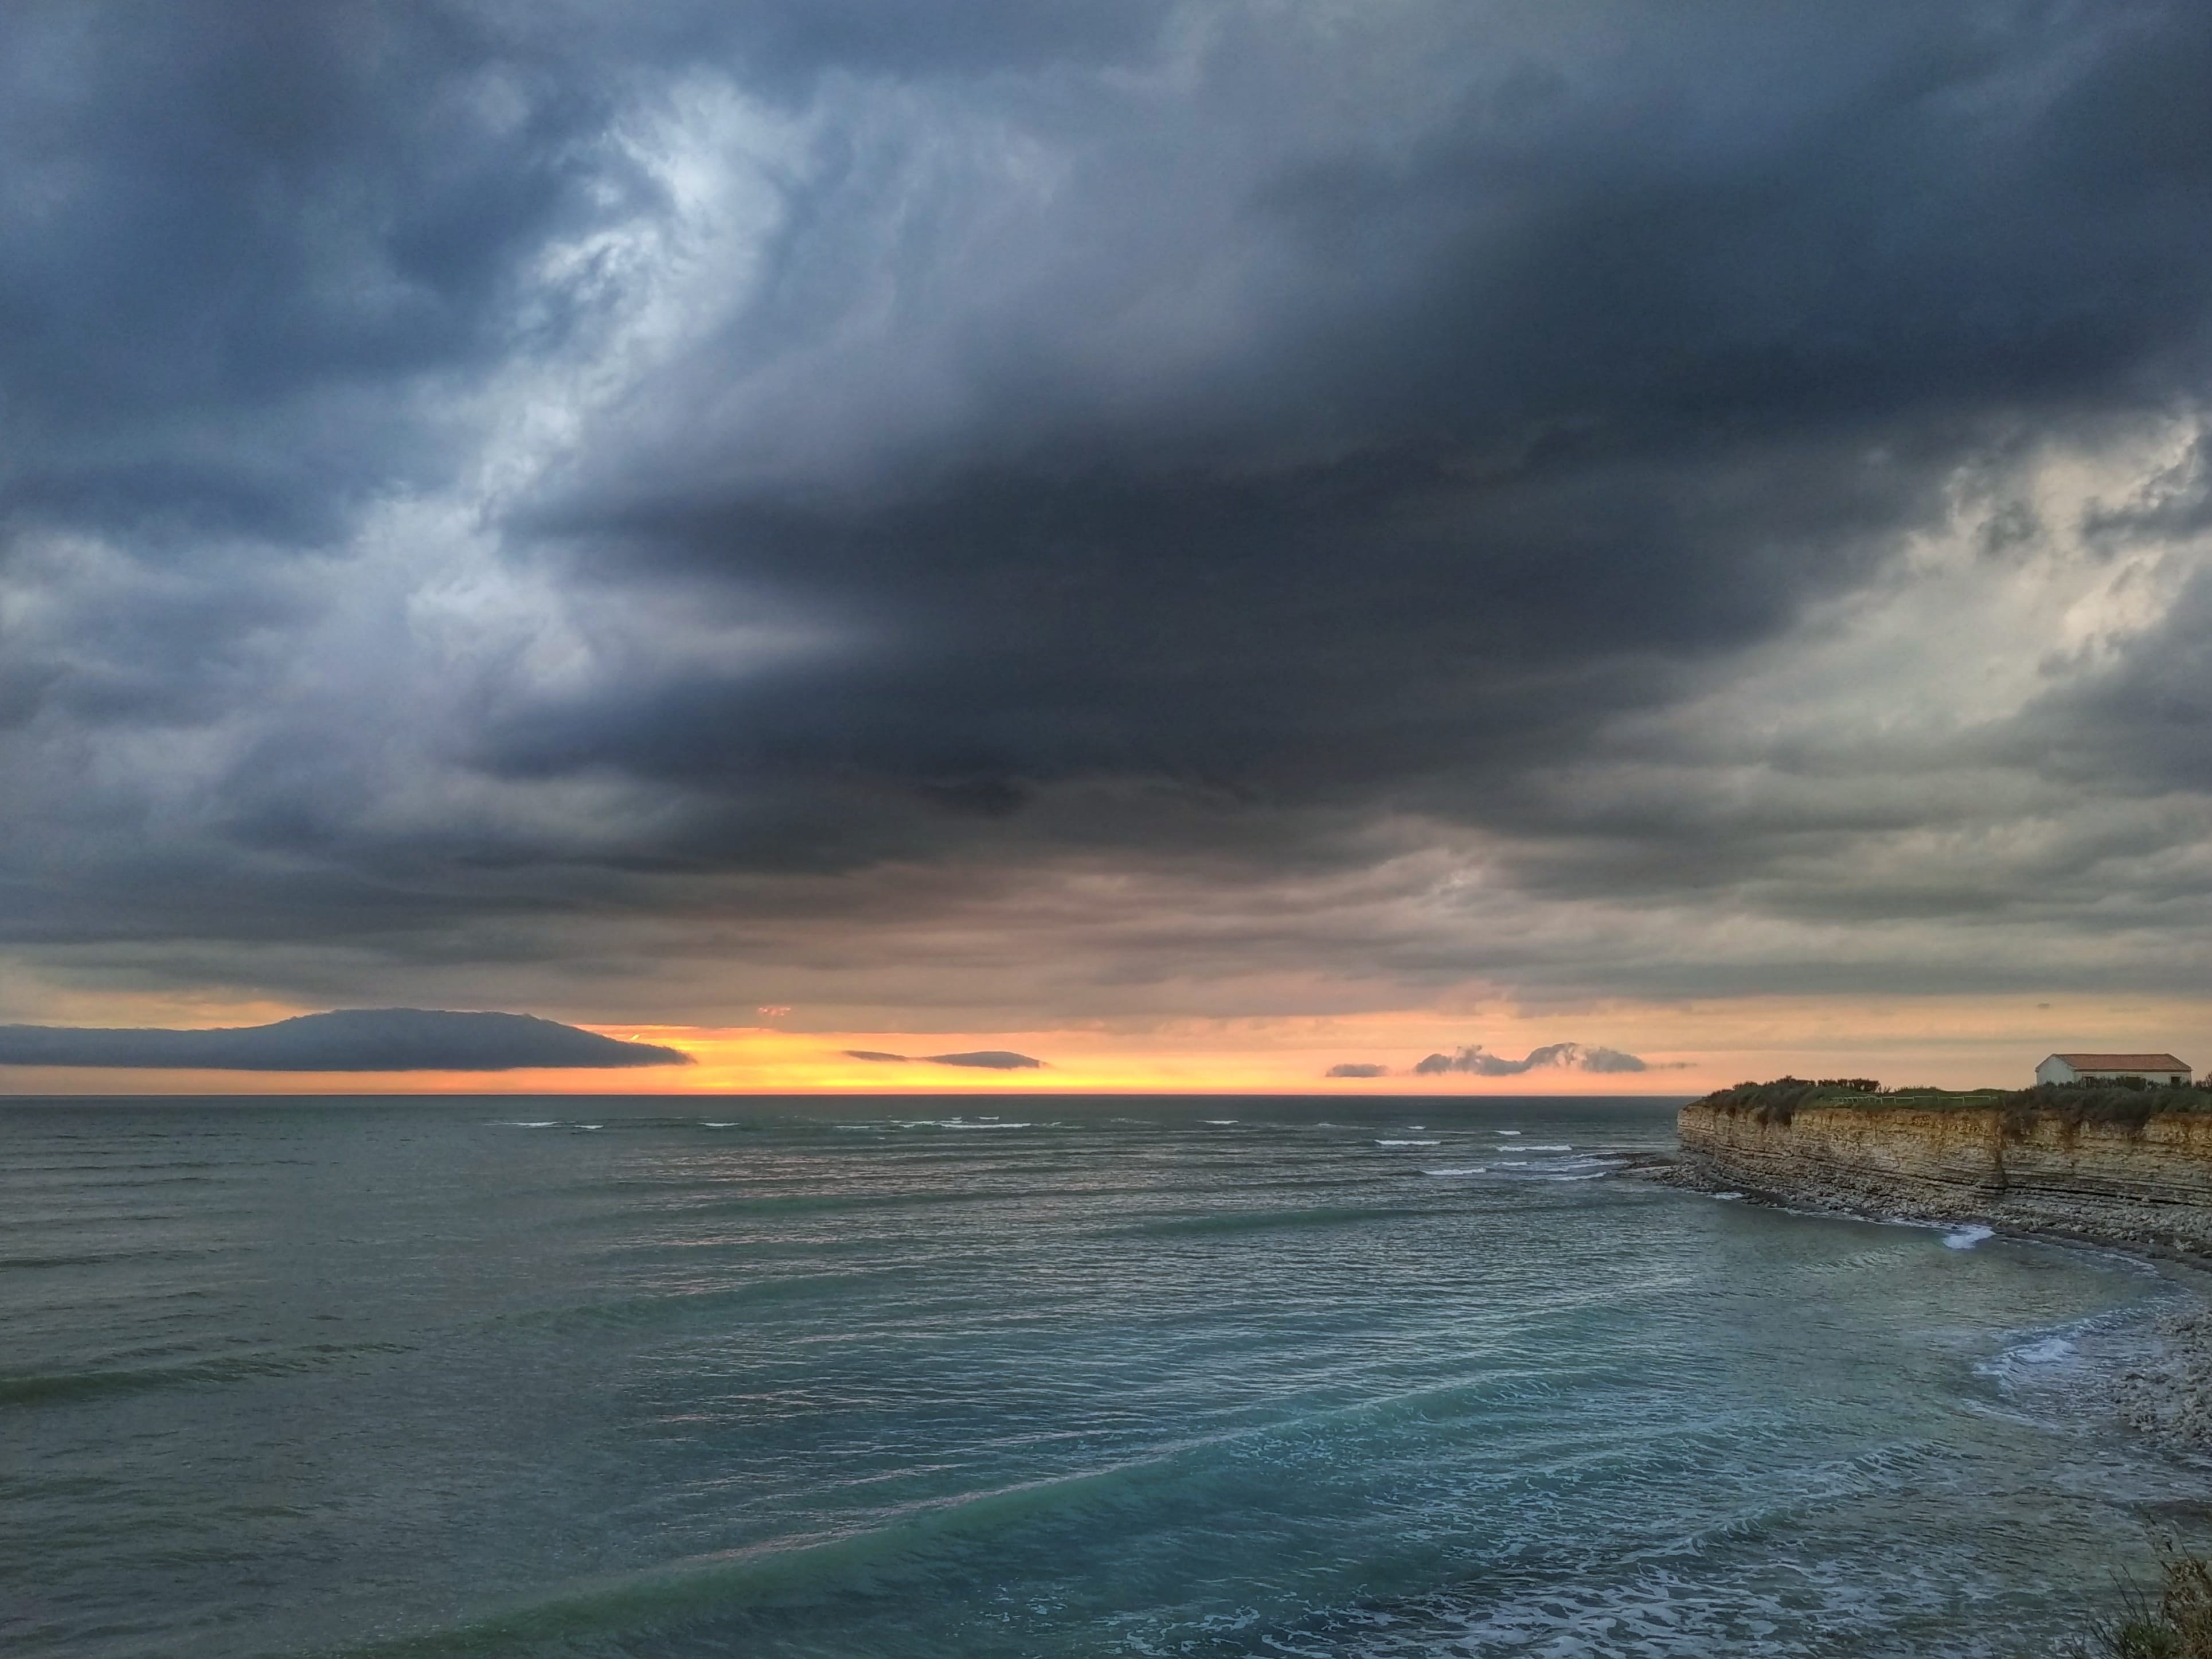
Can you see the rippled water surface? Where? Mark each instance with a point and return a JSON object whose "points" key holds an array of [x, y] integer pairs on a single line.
{"points": [[1018, 1377]]}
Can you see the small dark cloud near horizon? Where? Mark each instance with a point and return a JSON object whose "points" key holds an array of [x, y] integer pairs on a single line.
{"points": [[1475, 1061], [988, 1059], [345, 1039]]}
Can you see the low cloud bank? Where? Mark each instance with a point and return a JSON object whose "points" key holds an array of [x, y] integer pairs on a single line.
{"points": [[989, 1060], [345, 1039], [1478, 1061]]}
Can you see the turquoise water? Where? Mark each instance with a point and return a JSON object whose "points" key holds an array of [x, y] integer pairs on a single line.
{"points": [[1210, 1377]]}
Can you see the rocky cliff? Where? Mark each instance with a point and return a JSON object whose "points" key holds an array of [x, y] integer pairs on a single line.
{"points": [[2146, 1183]]}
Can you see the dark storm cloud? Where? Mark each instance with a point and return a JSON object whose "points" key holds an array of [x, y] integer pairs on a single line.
{"points": [[1246, 425], [347, 1040], [1542, 409], [2142, 726], [1355, 1068], [239, 235]]}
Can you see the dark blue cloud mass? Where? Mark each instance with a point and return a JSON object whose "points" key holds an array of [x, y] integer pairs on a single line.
{"points": [[347, 1040]]}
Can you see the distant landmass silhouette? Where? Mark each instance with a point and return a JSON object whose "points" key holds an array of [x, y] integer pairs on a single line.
{"points": [[345, 1039]]}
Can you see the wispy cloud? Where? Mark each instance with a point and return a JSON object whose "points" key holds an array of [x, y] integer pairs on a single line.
{"points": [[988, 1060]]}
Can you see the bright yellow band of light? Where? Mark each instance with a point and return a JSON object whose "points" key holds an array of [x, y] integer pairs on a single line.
{"points": [[1950, 1043]]}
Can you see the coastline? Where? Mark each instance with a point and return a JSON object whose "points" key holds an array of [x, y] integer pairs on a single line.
{"points": [[2165, 1396]]}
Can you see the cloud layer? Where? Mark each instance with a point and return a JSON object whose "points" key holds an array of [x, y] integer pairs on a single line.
{"points": [[347, 1040], [1060, 512], [1478, 1061]]}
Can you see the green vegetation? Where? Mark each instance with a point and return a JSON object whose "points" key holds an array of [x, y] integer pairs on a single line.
{"points": [[2130, 1101], [2176, 1625], [1778, 1101]]}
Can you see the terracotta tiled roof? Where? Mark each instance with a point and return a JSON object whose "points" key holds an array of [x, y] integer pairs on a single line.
{"points": [[2124, 1062]]}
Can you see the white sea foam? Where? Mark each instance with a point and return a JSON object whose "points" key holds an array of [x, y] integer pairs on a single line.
{"points": [[533, 1123], [1508, 1132], [1585, 1168], [1728, 1195], [1409, 1143], [1965, 1238], [1549, 1147], [1471, 1168], [1218, 1120], [2067, 1373], [708, 1123]]}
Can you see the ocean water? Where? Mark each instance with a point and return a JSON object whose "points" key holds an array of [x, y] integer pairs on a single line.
{"points": [[1022, 1377]]}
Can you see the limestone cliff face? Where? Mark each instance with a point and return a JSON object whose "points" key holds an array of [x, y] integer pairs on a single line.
{"points": [[2149, 1184]]}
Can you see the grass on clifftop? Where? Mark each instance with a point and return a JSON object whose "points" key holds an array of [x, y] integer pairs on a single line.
{"points": [[2130, 1103]]}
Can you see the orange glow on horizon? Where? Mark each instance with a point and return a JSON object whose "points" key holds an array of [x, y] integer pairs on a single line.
{"points": [[1956, 1043]]}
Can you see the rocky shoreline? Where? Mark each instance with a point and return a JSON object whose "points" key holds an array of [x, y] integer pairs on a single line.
{"points": [[2144, 1184], [2169, 1397], [2165, 1396], [1699, 1175]]}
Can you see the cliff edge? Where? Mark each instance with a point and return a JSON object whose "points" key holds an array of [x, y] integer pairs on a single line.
{"points": [[2108, 1165]]}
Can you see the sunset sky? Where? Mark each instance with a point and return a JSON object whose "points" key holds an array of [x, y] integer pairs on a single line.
{"points": [[1205, 544]]}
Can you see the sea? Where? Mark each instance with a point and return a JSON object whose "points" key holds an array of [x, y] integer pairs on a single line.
{"points": [[1009, 1376]]}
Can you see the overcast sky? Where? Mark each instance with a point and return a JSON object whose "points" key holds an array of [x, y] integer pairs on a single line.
{"points": [[1425, 523]]}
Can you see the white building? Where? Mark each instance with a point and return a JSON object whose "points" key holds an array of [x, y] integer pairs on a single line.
{"points": [[2099, 1068]]}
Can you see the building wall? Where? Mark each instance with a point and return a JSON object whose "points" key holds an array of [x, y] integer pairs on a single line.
{"points": [[2055, 1070]]}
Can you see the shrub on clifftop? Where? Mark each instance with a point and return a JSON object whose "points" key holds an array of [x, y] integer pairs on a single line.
{"points": [[2133, 1102], [1778, 1101], [2130, 1101]]}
